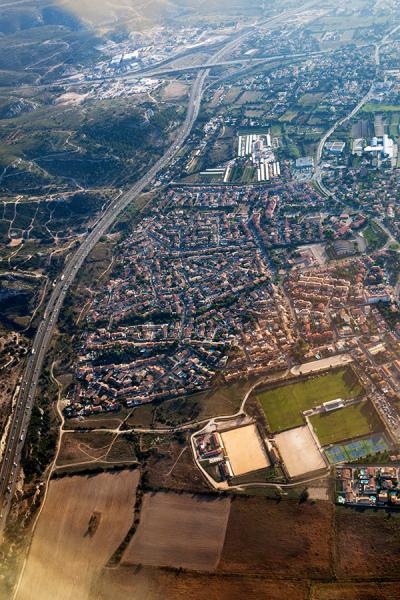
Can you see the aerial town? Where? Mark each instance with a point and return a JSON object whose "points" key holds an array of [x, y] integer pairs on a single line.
{"points": [[200, 299]]}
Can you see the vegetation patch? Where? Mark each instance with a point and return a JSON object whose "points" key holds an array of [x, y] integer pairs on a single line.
{"points": [[284, 405], [346, 423]]}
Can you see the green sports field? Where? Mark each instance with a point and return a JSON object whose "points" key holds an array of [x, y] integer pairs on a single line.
{"points": [[346, 423], [284, 405]]}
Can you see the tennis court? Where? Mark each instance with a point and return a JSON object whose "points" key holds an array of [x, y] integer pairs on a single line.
{"points": [[357, 449]]}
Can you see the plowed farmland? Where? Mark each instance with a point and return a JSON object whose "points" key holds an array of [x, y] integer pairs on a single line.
{"points": [[179, 530], [84, 519], [283, 540]]}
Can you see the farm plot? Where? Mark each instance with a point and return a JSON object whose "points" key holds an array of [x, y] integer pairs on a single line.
{"points": [[147, 583], [84, 519], [346, 423], [284, 405], [180, 531], [282, 540], [368, 544]]}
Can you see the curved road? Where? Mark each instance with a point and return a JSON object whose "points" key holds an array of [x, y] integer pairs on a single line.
{"points": [[22, 410]]}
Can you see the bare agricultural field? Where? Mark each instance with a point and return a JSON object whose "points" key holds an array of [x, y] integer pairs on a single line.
{"points": [[355, 591], [232, 95], [280, 540], [245, 449], [368, 544], [84, 519], [83, 447], [299, 451], [124, 583], [180, 531], [250, 97]]}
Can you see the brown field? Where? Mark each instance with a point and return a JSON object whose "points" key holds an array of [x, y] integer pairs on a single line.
{"points": [[152, 584], [232, 95], [358, 591], [174, 90], [65, 557], [81, 447], [172, 466], [284, 539], [121, 451], [368, 544], [250, 97], [179, 530]]}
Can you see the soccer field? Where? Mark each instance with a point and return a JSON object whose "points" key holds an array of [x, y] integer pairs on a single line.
{"points": [[284, 405], [346, 423]]}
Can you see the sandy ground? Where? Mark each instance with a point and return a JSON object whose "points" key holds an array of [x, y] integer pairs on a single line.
{"points": [[15, 242], [65, 558], [174, 90], [245, 449], [299, 451], [320, 365], [71, 98], [179, 530]]}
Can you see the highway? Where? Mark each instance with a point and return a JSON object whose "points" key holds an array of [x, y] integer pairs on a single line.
{"points": [[22, 411], [168, 70], [23, 408]]}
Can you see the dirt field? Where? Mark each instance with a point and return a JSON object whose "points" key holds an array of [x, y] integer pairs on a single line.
{"points": [[245, 449], [172, 466], [66, 555], [359, 591], [174, 90], [151, 584], [80, 447], [286, 539], [299, 451], [368, 544], [179, 530]]}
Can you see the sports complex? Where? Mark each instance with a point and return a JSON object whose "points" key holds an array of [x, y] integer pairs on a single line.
{"points": [[321, 420]]}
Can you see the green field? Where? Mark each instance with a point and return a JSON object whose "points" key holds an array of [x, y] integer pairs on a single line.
{"points": [[284, 405], [379, 108], [346, 423]]}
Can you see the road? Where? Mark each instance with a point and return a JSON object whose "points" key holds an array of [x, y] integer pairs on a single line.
{"points": [[22, 411], [165, 71]]}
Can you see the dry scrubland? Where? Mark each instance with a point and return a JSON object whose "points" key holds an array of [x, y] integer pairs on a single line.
{"points": [[359, 591], [368, 545], [287, 540], [65, 557], [152, 584], [179, 530], [171, 468]]}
